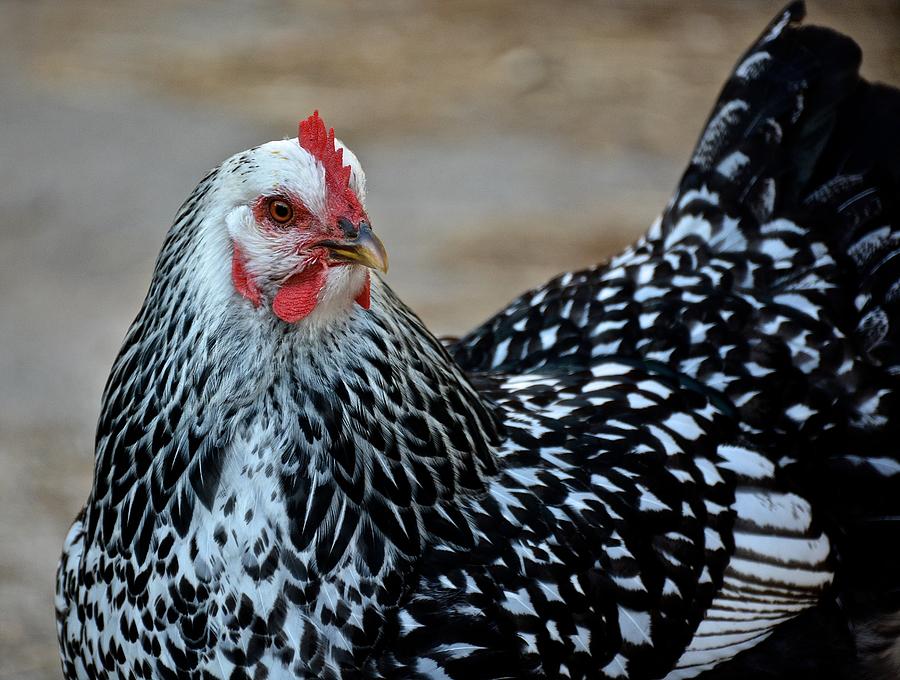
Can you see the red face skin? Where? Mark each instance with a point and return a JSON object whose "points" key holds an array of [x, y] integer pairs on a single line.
{"points": [[299, 294]]}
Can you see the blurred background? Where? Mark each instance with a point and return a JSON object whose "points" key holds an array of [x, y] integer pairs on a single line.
{"points": [[503, 141]]}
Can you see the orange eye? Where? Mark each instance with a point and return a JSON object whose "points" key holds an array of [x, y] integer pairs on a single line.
{"points": [[281, 211]]}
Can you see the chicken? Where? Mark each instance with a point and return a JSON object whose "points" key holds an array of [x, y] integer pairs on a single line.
{"points": [[684, 461]]}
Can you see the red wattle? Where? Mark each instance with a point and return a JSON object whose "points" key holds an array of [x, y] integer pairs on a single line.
{"points": [[364, 299], [243, 284], [300, 293]]}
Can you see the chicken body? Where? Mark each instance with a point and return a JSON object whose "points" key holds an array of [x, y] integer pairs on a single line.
{"points": [[640, 470]]}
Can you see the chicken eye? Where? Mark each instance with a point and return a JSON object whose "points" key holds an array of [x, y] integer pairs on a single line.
{"points": [[281, 211]]}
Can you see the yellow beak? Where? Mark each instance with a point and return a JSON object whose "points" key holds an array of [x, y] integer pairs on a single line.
{"points": [[365, 249]]}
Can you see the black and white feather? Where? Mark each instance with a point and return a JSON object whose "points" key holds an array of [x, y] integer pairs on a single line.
{"points": [[640, 470]]}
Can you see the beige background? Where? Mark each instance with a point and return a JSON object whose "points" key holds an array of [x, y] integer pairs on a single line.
{"points": [[503, 141]]}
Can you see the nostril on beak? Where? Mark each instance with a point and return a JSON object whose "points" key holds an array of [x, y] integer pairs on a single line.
{"points": [[347, 227]]}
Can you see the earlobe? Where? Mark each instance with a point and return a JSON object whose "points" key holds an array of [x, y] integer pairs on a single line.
{"points": [[243, 284]]}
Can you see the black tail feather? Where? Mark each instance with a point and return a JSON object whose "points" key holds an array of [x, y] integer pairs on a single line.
{"points": [[799, 134], [860, 183]]}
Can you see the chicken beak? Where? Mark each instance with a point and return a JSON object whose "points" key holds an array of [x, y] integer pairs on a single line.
{"points": [[365, 249]]}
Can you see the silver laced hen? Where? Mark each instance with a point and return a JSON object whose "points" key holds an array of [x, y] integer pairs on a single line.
{"points": [[684, 461]]}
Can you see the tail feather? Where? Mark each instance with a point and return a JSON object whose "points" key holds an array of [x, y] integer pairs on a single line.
{"points": [[852, 197], [801, 149], [799, 166], [774, 117], [860, 186]]}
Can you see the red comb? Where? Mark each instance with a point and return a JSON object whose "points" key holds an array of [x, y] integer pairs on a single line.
{"points": [[320, 143]]}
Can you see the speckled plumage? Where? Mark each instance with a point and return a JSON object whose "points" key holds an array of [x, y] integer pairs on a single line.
{"points": [[634, 471]]}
